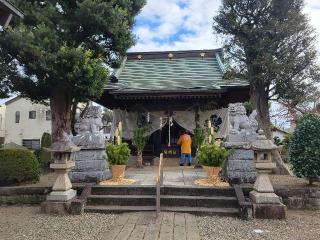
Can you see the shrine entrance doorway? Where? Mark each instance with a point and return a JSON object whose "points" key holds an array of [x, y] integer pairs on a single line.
{"points": [[165, 141]]}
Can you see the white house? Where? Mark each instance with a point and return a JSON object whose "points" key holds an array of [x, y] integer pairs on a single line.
{"points": [[25, 122], [2, 123], [279, 133]]}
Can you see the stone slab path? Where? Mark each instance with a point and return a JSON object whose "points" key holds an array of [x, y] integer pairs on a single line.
{"points": [[145, 225], [176, 176]]}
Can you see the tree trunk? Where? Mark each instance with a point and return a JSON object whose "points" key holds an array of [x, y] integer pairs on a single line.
{"points": [[60, 103], [259, 97], [73, 117], [139, 159]]}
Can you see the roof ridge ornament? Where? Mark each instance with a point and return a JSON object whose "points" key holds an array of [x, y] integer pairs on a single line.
{"points": [[202, 55], [170, 56], [139, 57]]}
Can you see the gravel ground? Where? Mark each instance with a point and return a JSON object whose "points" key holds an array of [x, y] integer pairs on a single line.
{"points": [[28, 223], [299, 225]]}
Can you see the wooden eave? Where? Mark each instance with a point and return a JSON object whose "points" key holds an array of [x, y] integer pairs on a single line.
{"points": [[174, 100], [7, 7], [185, 94]]}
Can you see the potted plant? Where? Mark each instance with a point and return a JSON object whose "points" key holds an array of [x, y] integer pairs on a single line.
{"points": [[139, 140], [212, 157], [118, 156]]}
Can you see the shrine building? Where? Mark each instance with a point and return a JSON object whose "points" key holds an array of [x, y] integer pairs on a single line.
{"points": [[172, 91]]}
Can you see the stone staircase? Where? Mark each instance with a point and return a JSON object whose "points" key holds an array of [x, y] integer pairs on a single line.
{"points": [[188, 199]]}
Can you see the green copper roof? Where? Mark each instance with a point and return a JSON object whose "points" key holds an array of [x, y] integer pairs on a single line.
{"points": [[185, 70]]}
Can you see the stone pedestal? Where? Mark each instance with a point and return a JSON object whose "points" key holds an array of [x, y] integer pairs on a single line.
{"points": [[57, 208], [266, 204], [239, 167], [90, 166], [269, 211]]}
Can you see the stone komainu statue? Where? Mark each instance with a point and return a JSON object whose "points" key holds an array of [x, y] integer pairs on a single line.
{"points": [[239, 166], [91, 164], [240, 122], [88, 128], [238, 119]]}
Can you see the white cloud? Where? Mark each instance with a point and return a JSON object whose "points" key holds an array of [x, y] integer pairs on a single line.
{"points": [[193, 17], [163, 19], [313, 10]]}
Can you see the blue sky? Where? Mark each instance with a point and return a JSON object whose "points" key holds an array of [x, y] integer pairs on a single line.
{"points": [[186, 24]]}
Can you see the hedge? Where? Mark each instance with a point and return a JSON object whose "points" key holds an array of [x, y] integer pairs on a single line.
{"points": [[18, 166], [304, 148]]}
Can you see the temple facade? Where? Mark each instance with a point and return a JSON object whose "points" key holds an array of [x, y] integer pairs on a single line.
{"points": [[172, 91]]}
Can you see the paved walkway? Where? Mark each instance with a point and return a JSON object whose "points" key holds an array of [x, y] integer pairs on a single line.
{"points": [[175, 176], [145, 225], [178, 176]]}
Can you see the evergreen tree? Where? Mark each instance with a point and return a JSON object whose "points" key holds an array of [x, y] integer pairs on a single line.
{"points": [[304, 148], [271, 44], [60, 50]]}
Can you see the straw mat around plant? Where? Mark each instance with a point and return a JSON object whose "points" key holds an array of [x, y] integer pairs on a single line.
{"points": [[210, 183], [121, 181]]}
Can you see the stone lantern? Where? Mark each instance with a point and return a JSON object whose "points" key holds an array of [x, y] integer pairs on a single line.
{"points": [[58, 200], [266, 204]]}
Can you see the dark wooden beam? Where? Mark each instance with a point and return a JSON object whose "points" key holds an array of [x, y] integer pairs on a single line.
{"points": [[7, 10], [176, 102]]}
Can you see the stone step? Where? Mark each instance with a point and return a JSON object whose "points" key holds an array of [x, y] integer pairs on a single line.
{"points": [[199, 201], [195, 210], [124, 190], [122, 200], [165, 190], [166, 200], [197, 191]]}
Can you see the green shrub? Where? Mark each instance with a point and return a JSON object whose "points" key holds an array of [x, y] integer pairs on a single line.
{"points": [[277, 141], [249, 107], [18, 166], [199, 137], [45, 156], [304, 148], [118, 154], [212, 156], [139, 139]]}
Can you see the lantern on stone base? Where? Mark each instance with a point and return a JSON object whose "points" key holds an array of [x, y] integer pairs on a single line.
{"points": [[58, 201], [266, 204]]}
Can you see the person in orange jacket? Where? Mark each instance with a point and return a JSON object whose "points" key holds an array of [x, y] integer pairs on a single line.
{"points": [[185, 142]]}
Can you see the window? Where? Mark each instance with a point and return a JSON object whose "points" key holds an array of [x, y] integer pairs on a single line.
{"points": [[48, 115], [32, 114], [33, 144], [17, 116]]}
